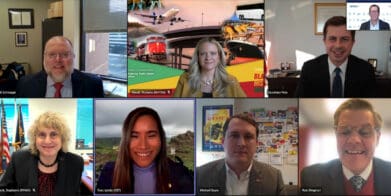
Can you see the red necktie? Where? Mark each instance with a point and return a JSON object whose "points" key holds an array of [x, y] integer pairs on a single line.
{"points": [[58, 86]]}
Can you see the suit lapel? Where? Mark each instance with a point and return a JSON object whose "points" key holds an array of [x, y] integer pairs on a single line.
{"points": [[349, 77], [41, 84], [381, 25], [382, 175], [352, 84], [256, 182], [336, 179], [221, 176], [61, 176], [33, 180], [324, 76], [76, 84]]}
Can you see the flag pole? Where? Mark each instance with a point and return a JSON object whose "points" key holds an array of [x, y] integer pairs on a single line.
{"points": [[1, 139]]}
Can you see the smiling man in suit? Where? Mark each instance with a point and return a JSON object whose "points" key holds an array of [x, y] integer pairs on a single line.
{"points": [[374, 23], [357, 172], [59, 78], [238, 173], [337, 73]]}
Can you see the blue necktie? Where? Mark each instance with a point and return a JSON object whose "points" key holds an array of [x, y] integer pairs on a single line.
{"points": [[337, 84]]}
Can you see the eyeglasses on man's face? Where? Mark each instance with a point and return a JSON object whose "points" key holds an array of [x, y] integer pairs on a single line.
{"points": [[64, 55], [365, 131]]}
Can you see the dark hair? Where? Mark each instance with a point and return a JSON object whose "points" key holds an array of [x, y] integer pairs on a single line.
{"points": [[243, 116], [123, 171], [374, 5], [358, 104], [336, 21]]}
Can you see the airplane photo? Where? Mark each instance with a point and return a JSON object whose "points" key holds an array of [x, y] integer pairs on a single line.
{"points": [[169, 16]]}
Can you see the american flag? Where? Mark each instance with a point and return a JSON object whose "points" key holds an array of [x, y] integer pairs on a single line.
{"points": [[19, 136], [6, 148]]}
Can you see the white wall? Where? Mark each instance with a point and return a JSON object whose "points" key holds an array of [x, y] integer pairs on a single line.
{"points": [[71, 26], [289, 27], [67, 107], [288, 171]]}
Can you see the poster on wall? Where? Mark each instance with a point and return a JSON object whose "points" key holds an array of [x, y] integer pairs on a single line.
{"points": [[213, 119]]}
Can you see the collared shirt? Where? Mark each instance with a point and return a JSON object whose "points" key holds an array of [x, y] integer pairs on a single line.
{"points": [[365, 174], [332, 67], [66, 90], [235, 185], [374, 27]]}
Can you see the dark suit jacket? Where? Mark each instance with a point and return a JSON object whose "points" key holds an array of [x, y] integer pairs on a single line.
{"points": [[84, 85], [181, 178], [22, 172], [382, 25], [315, 78], [330, 178], [264, 179]]}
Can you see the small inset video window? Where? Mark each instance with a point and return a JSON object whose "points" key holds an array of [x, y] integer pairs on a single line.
{"points": [[368, 15]]}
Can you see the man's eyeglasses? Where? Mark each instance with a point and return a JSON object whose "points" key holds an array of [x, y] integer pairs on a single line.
{"points": [[365, 131], [64, 55]]}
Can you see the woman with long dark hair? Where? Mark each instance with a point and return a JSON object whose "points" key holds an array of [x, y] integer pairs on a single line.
{"points": [[142, 165]]}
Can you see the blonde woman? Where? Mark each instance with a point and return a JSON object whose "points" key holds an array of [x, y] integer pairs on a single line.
{"points": [[46, 168], [207, 76]]}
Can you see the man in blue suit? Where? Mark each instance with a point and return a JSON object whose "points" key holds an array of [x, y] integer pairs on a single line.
{"points": [[59, 78], [374, 23], [337, 73]]}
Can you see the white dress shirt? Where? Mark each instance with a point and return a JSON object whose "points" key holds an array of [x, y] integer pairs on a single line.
{"points": [[235, 185], [365, 174], [332, 67], [66, 90], [374, 27]]}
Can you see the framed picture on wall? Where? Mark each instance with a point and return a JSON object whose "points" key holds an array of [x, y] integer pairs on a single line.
{"points": [[324, 11], [213, 119], [20, 39], [80, 144], [20, 18]]}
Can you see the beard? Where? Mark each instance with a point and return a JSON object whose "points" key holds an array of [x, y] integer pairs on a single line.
{"points": [[58, 77]]}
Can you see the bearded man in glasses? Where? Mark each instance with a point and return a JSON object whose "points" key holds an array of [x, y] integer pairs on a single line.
{"points": [[59, 78], [356, 172]]}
